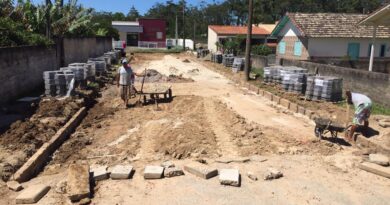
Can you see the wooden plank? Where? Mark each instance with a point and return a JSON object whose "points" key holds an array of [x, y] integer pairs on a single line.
{"points": [[375, 169]]}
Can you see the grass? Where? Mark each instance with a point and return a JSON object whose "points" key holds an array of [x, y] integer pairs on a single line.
{"points": [[259, 72]]}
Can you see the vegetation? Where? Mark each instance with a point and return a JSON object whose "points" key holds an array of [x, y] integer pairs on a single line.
{"points": [[262, 50]]}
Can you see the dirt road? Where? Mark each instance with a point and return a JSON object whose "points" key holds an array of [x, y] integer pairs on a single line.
{"points": [[209, 118]]}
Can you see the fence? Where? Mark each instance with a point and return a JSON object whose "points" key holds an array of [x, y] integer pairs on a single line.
{"points": [[151, 44]]}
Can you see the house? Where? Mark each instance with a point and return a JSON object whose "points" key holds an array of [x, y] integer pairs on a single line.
{"points": [[218, 33], [148, 33], [308, 36]]}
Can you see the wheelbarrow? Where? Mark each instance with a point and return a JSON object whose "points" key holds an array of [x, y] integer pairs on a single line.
{"points": [[324, 126]]}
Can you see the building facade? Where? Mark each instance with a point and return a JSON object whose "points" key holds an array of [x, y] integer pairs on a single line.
{"points": [[304, 36], [145, 33]]}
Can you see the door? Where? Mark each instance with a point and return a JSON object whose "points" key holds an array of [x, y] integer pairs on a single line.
{"points": [[383, 50], [297, 48], [353, 50], [132, 39]]}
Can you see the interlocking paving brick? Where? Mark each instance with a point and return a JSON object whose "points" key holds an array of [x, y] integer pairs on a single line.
{"points": [[32, 194]]}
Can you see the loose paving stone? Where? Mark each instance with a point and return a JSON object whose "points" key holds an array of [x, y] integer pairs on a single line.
{"points": [[14, 186], [258, 158], [229, 177], [32, 194], [77, 185], [227, 160], [273, 174], [121, 172], [167, 164], [100, 173], [379, 159], [376, 169], [201, 170], [173, 172], [153, 172], [252, 176], [384, 123]]}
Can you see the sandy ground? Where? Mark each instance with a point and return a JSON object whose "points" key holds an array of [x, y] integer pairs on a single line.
{"points": [[207, 119]]}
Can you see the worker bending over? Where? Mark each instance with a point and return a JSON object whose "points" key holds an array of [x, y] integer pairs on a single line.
{"points": [[363, 107]]}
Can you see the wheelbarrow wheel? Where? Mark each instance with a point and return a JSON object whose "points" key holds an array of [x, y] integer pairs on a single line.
{"points": [[318, 132], [170, 93]]}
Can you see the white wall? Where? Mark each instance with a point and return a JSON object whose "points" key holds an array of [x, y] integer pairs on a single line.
{"points": [[189, 43], [212, 38], [338, 47]]}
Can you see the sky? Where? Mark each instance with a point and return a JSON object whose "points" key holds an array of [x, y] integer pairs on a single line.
{"points": [[124, 5]]}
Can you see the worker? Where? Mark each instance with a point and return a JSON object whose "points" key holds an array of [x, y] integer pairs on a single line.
{"points": [[363, 107], [124, 81]]}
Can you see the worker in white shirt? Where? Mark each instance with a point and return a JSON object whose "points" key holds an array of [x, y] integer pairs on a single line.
{"points": [[363, 106]]}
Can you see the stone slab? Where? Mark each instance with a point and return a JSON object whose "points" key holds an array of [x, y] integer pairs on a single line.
{"points": [[285, 103], [36, 162], [167, 164], [301, 110], [376, 169], [201, 170], [268, 95], [121, 172], [78, 186], [293, 107], [379, 159], [229, 177], [32, 194], [273, 173], [173, 172], [14, 185], [227, 160], [276, 99], [153, 172], [251, 176], [100, 173]]}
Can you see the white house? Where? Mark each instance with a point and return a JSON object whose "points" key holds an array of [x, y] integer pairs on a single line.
{"points": [[306, 36], [218, 33]]}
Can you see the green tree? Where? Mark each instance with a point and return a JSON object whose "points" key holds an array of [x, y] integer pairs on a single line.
{"points": [[133, 14]]}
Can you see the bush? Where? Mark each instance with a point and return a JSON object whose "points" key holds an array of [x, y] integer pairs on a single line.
{"points": [[14, 34], [262, 50]]}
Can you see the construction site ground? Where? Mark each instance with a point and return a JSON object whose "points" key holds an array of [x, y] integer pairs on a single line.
{"points": [[209, 118]]}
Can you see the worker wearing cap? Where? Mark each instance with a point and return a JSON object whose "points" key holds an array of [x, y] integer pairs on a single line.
{"points": [[123, 80], [363, 107]]}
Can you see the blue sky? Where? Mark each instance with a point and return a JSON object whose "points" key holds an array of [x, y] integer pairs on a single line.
{"points": [[124, 5]]}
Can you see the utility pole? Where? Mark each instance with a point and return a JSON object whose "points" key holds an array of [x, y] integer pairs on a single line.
{"points": [[176, 33], [248, 41], [48, 6], [184, 27], [194, 34]]}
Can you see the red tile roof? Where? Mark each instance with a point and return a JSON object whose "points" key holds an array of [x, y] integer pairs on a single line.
{"points": [[238, 30]]}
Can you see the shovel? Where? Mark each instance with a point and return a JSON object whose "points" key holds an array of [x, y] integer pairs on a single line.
{"points": [[139, 103]]}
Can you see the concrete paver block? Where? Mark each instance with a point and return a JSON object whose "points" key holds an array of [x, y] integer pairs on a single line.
{"points": [[100, 173], [121, 172], [167, 164], [201, 170], [268, 95], [276, 99], [173, 172], [78, 186], [229, 177], [379, 159], [14, 185], [32, 194], [251, 176], [273, 174], [301, 110], [153, 172], [376, 169]]}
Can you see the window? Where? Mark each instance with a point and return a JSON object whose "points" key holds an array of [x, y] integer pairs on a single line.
{"points": [[353, 50], [282, 47], [383, 50], [298, 48], [159, 35]]}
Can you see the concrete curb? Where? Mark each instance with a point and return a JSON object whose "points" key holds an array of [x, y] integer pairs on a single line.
{"points": [[35, 164]]}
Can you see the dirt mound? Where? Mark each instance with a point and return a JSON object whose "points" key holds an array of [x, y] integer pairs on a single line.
{"points": [[25, 137], [153, 76]]}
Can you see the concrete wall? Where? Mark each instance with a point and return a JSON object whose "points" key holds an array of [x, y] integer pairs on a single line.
{"points": [[338, 47], [21, 69], [375, 85], [80, 49], [259, 61], [381, 65]]}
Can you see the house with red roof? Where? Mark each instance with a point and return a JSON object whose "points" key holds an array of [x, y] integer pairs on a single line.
{"points": [[221, 33]]}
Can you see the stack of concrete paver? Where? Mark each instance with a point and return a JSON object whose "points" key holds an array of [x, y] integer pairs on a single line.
{"points": [[50, 83], [326, 88], [227, 60], [100, 65], [238, 64], [60, 81]]}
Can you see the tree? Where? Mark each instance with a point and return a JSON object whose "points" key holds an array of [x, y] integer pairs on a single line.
{"points": [[133, 14]]}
